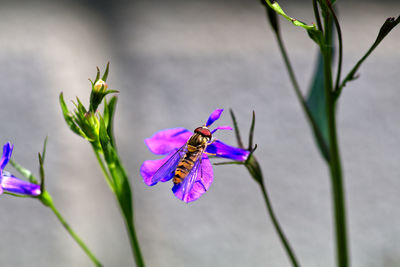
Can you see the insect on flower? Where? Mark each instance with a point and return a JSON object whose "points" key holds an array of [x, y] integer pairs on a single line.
{"points": [[186, 161]]}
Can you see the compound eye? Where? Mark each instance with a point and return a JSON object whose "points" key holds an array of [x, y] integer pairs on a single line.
{"points": [[203, 131]]}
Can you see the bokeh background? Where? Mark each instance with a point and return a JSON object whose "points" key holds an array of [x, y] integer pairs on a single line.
{"points": [[174, 62]]}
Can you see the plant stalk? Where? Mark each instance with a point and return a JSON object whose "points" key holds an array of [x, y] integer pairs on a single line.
{"points": [[95, 261], [112, 181], [335, 166], [275, 222]]}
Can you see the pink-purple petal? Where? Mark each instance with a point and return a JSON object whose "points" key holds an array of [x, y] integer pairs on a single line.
{"points": [[214, 116], [150, 167], [223, 150], [7, 151], [165, 141], [12, 184], [225, 127], [202, 184]]}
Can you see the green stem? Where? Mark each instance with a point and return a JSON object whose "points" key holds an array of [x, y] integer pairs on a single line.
{"points": [[335, 164], [127, 212], [340, 56], [104, 169], [118, 181], [316, 14], [134, 241], [95, 261], [278, 228]]}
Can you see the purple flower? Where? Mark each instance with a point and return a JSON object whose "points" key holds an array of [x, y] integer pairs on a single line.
{"points": [[192, 171], [9, 182]]}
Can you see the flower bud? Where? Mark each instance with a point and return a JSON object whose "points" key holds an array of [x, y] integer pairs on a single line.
{"points": [[100, 86]]}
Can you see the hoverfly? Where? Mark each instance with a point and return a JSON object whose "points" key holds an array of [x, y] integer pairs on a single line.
{"points": [[185, 163]]}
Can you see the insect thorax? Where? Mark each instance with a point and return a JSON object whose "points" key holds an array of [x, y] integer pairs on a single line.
{"points": [[197, 140]]}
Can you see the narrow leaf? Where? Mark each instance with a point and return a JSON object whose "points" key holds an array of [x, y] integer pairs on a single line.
{"points": [[97, 75], [275, 6], [24, 172], [118, 174], [41, 171], [236, 128], [316, 103], [105, 75], [272, 17], [44, 148], [110, 123], [251, 134], [68, 117]]}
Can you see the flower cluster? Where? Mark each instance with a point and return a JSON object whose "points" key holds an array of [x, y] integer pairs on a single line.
{"points": [[172, 144]]}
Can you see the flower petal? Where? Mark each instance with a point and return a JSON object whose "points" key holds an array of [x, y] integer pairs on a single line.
{"points": [[202, 184], [12, 184], [214, 116], [225, 127], [150, 167], [223, 150], [7, 151], [165, 141]]}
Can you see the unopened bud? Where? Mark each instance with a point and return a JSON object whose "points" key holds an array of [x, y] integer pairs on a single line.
{"points": [[99, 85]]}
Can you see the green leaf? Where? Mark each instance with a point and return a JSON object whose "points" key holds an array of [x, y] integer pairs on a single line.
{"points": [[24, 172], [275, 6], [316, 102], [41, 171], [97, 75], [316, 98], [236, 128], [44, 148], [69, 119], [105, 75], [109, 111], [251, 133], [120, 178], [81, 108], [272, 17], [317, 36]]}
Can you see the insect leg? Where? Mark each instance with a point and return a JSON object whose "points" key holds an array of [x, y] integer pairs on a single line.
{"points": [[201, 176]]}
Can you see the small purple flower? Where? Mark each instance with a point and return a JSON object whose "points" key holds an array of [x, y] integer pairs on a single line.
{"points": [[9, 182], [174, 144]]}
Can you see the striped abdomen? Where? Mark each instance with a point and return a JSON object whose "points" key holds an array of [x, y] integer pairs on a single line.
{"points": [[185, 165]]}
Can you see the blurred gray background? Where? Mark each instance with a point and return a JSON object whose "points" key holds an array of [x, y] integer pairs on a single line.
{"points": [[174, 62]]}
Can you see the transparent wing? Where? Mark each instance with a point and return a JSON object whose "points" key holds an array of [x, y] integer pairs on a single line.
{"points": [[191, 178], [166, 171]]}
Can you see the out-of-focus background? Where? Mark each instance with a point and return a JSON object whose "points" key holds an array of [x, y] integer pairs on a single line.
{"points": [[174, 62]]}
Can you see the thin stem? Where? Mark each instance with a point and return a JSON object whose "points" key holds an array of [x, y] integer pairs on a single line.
{"points": [[125, 204], [334, 163], [117, 178], [278, 228], [103, 168], [299, 95], [75, 236], [134, 242], [317, 17], [350, 75], [340, 56]]}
